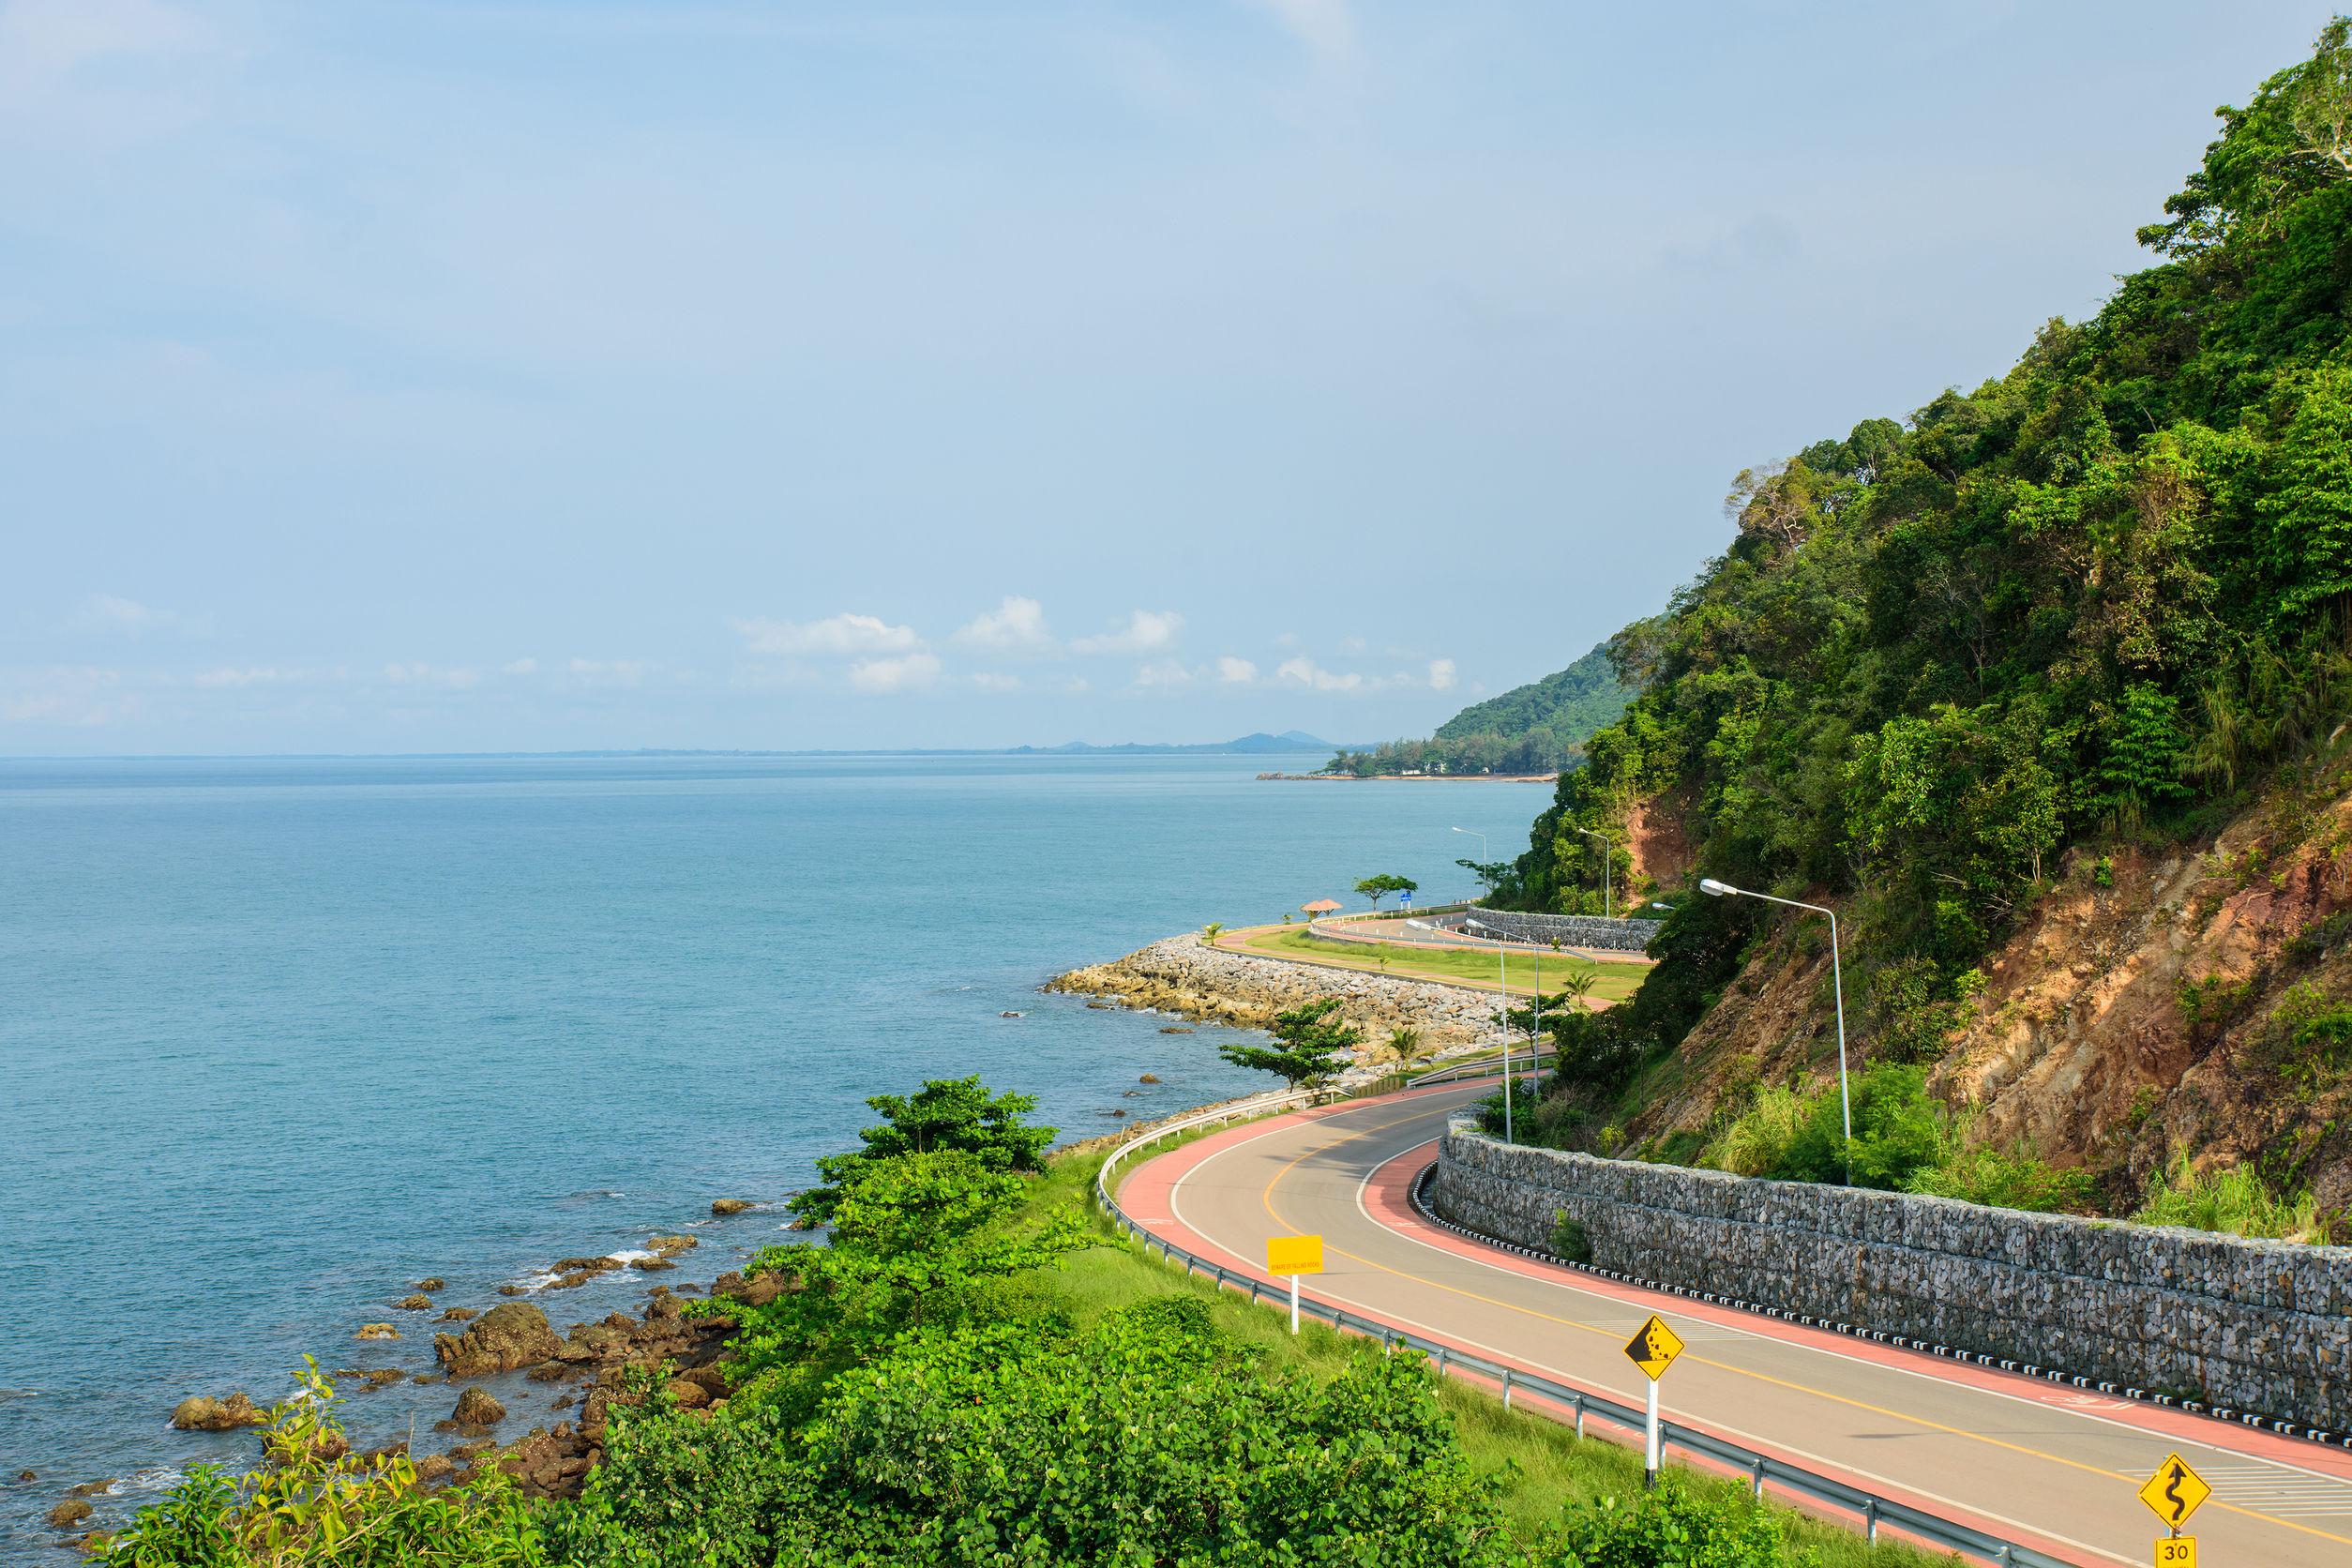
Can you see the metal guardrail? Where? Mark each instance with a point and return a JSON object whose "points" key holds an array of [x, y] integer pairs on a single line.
{"points": [[1761, 1470]]}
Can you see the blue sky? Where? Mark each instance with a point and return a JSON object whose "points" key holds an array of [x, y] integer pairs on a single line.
{"points": [[521, 375]]}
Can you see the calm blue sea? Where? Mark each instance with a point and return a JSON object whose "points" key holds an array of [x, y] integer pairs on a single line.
{"points": [[280, 1037]]}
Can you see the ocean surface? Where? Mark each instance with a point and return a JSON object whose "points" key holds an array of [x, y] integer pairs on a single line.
{"points": [[280, 1037]]}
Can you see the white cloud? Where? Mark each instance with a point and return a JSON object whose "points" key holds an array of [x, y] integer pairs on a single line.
{"points": [[1166, 674], [1324, 26], [1442, 675], [115, 615], [1352, 644], [842, 636], [1306, 673], [1017, 625], [522, 667], [229, 676], [1236, 672], [988, 680], [83, 695], [882, 676], [1147, 631], [420, 674], [619, 671], [43, 42]]}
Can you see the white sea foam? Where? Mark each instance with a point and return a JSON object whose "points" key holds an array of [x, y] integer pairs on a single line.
{"points": [[630, 1255]]}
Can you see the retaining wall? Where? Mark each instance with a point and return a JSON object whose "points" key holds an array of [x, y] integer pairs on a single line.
{"points": [[1571, 931], [2263, 1327]]}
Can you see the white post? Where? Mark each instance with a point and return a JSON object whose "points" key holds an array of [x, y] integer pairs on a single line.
{"points": [[1294, 1303], [1845, 1104], [1650, 1451]]}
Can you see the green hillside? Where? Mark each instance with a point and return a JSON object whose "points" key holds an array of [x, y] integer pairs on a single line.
{"points": [[1537, 727], [2098, 606]]}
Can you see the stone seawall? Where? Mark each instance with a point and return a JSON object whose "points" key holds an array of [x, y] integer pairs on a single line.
{"points": [[1571, 930], [2264, 1327], [1186, 977]]}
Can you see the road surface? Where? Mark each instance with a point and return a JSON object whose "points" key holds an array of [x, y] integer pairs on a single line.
{"points": [[2050, 1465]]}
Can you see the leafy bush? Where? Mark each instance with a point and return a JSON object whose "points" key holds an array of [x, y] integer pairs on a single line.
{"points": [[315, 1501], [1681, 1525], [2235, 1201], [2004, 1179], [1569, 1240], [1757, 1142], [946, 1113], [2312, 1034], [1898, 1131]]}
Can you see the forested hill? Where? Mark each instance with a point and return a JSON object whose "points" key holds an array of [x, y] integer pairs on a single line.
{"points": [[2097, 608], [1536, 728]]}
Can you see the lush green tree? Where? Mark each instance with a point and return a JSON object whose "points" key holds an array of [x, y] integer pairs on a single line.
{"points": [[1312, 1046], [909, 1233], [946, 1113], [1380, 887]]}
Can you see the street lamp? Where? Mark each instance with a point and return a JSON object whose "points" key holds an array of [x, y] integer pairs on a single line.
{"points": [[1482, 857], [1501, 983], [1714, 889], [1608, 864]]}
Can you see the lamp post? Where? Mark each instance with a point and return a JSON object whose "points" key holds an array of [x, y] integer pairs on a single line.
{"points": [[1608, 866], [1482, 855], [1501, 983], [1714, 889]]}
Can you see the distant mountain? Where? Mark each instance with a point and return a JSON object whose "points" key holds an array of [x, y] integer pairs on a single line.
{"points": [[1257, 743], [1537, 727]]}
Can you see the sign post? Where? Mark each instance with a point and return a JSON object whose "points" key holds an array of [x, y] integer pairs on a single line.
{"points": [[1652, 1348], [2174, 1493], [1294, 1255]]}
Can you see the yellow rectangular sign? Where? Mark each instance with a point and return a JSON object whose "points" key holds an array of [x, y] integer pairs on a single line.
{"points": [[1654, 1348], [1295, 1255], [2175, 1492], [2176, 1551]]}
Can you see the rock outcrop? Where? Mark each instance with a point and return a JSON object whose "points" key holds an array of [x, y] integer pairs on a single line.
{"points": [[477, 1409], [506, 1339], [198, 1413]]}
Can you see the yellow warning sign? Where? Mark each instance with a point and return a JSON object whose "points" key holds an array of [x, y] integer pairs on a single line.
{"points": [[1295, 1255], [2176, 1551], [1654, 1348], [2175, 1492]]}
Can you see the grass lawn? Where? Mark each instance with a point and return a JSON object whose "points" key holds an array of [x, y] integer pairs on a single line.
{"points": [[1547, 1467], [1611, 982]]}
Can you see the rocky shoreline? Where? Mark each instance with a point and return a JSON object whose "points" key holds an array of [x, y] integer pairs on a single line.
{"points": [[1184, 976]]}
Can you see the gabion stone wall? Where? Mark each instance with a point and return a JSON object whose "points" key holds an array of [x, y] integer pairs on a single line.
{"points": [[2262, 1327], [1572, 930]]}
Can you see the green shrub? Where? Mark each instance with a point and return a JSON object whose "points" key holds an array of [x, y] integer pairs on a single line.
{"points": [[1569, 1240], [2004, 1179], [1898, 1131], [2310, 1034], [1681, 1525], [315, 1501], [2236, 1201], [1757, 1142]]}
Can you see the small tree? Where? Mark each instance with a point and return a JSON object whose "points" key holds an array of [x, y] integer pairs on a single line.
{"points": [[1214, 929], [1310, 1046], [946, 1113], [1487, 871], [1376, 888], [1405, 1044]]}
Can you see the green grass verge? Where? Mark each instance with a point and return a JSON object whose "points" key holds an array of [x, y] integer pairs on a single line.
{"points": [[1545, 1465], [1611, 982]]}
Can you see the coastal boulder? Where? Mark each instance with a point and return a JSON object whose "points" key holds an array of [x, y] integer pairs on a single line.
{"points": [[507, 1337], [477, 1409], [459, 1315], [68, 1513], [415, 1304], [429, 1286], [200, 1414], [724, 1206], [377, 1331]]}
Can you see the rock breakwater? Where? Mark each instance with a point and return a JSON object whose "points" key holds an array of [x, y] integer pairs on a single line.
{"points": [[1186, 977]]}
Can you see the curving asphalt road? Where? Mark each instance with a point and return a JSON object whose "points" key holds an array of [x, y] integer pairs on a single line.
{"points": [[2047, 1464]]}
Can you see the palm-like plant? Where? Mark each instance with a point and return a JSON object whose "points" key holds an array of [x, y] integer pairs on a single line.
{"points": [[1209, 933], [1405, 1044]]}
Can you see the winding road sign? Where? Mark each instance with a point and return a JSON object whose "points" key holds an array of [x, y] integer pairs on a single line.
{"points": [[2175, 1492], [1654, 1348]]}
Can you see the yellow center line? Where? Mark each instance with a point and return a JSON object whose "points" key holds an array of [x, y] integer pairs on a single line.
{"points": [[1267, 1198]]}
